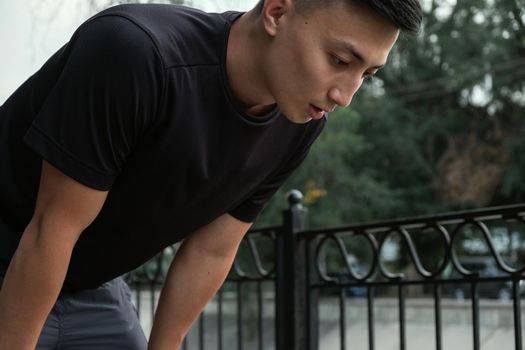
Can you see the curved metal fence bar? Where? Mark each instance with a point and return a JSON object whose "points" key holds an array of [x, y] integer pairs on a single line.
{"points": [[380, 275], [375, 257], [382, 268], [414, 255], [516, 211], [446, 238], [283, 275], [488, 238], [146, 282], [497, 257], [386, 230], [344, 254], [259, 271], [238, 271]]}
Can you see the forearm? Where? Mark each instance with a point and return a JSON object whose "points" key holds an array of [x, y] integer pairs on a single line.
{"points": [[195, 276], [30, 288]]}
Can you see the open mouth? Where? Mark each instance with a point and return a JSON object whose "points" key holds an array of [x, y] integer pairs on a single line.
{"points": [[317, 109], [315, 112]]}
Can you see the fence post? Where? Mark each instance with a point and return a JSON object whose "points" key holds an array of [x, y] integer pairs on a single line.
{"points": [[293, 321]]}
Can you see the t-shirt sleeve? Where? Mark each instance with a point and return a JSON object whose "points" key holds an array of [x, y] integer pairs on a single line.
{"points": [[249, 210], [105, 97]]}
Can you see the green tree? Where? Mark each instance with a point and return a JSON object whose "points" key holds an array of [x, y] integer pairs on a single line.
{"points": [[440, 128]]}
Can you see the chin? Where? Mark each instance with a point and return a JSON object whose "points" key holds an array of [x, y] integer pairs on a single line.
{"points": [[295, 115], [299, 119]]}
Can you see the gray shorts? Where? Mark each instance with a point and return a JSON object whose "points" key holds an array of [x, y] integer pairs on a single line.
{"points": [[97, 319]]}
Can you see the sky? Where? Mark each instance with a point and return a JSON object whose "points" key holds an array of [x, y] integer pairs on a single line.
{"points": [[32, 30]]}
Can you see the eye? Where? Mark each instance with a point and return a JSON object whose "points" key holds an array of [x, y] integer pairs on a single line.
{"points": [[338, 61], [368, 76]]}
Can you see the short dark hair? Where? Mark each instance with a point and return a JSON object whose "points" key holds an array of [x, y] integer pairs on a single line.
{"points": [[404, 14]]}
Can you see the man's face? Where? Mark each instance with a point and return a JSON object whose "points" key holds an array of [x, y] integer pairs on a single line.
{"points": [[318, 61]]}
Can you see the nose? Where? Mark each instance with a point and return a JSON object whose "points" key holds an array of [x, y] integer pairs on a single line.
{"points": [[339, 97], [342, 93]]}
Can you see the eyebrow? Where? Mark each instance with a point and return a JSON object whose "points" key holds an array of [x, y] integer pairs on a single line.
{"points": [[347, 46]]}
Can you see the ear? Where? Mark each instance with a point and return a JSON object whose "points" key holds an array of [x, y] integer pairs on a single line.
{"points": [[272, 14]]}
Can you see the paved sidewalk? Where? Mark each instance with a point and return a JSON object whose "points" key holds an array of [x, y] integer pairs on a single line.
{"points": [[419, 337], [496, 325]]}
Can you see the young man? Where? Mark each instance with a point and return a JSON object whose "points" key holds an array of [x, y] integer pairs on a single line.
{"points": [[158, 123]]}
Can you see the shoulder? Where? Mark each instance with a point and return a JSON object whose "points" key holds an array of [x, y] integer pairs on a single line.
{"points": [[182, 35], [114, 42]]}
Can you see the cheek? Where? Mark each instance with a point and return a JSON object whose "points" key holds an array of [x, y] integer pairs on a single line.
{"points": [[303, 63], [301, 70], [294, 76], [316, 75]]}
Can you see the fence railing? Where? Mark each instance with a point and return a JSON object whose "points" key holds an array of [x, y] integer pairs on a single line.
{"points": [[287, 282]]}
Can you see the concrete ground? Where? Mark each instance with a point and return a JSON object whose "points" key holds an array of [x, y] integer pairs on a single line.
{"points": [[496, 325]]}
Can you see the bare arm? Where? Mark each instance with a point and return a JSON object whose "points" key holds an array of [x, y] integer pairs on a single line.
{"points": [[196, 273], [35, 276]]}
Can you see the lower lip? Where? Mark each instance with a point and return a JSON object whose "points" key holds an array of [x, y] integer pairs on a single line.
{"points": [[315, 113]]}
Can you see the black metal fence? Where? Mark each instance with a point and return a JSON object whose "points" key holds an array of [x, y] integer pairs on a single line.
{"points": [[285, 277]]}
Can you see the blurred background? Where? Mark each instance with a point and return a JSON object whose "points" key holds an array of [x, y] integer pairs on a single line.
{"points": [[32, 30], [441, 128]]}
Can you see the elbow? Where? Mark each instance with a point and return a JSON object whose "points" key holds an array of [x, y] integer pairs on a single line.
{"points": [[47, 234], [217, 249]]}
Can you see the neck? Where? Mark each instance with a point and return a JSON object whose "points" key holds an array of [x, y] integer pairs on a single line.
{"points": [[243, 65]]}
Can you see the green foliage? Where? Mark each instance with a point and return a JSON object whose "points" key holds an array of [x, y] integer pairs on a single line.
{"points": [[440, 128]]}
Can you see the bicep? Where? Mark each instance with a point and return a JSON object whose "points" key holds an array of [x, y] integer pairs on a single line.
{"points": [[65, 206]]}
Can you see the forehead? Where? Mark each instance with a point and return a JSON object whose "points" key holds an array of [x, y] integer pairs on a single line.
{"points": [[353, 27]]}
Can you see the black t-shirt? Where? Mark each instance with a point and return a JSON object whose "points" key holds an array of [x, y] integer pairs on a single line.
{"points": [[138, 103]]}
